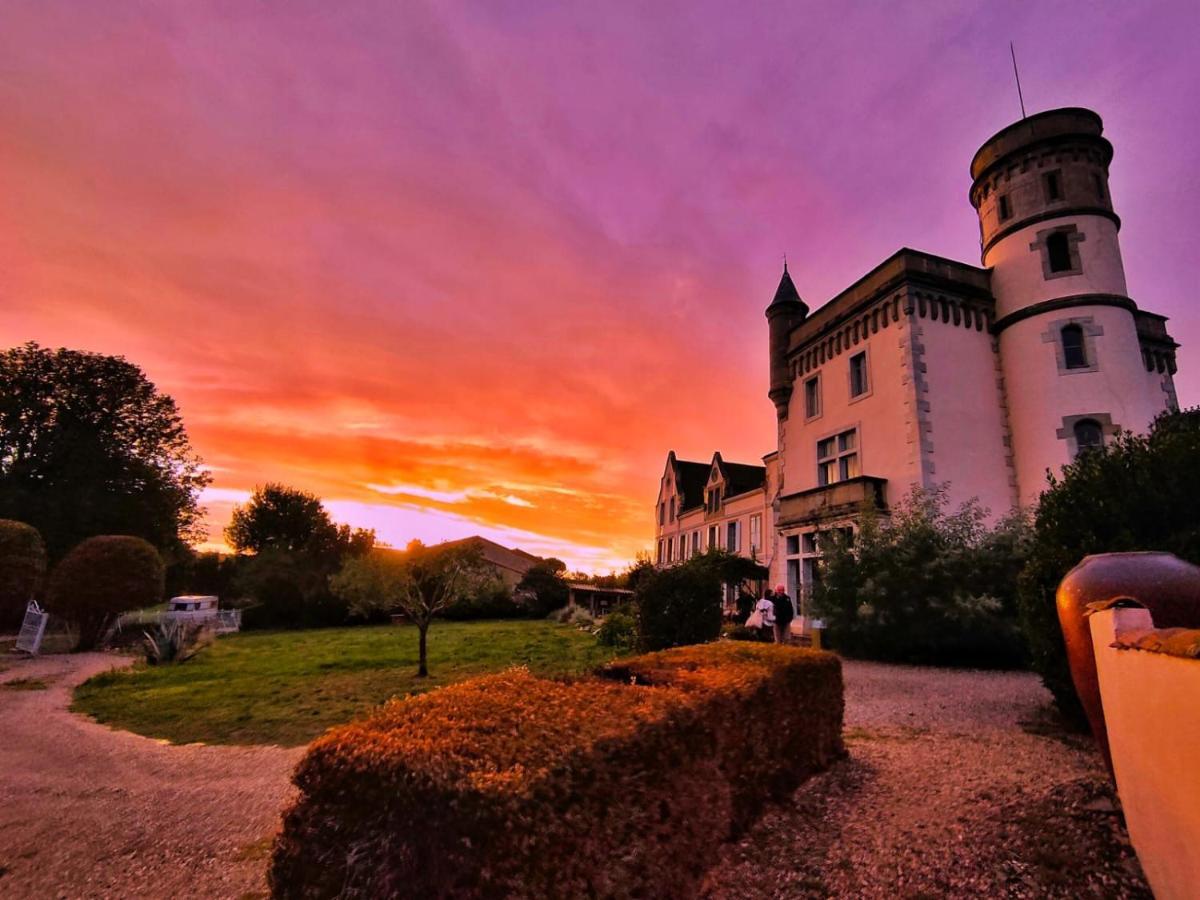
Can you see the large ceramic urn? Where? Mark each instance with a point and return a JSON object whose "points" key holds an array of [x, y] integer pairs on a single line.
{"points": [[1161, 582]]}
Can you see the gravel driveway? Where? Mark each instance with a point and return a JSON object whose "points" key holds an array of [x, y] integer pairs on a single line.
{"points": [[957, 785], [86, 811]]}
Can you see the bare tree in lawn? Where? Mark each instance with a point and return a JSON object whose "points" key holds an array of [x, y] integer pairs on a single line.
{"points": [[420, 582]]}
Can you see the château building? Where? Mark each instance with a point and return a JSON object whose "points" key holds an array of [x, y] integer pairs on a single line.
{"points": [[928, 371]]}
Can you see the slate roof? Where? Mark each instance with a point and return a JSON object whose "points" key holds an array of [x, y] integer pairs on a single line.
{"points": [[740, 478], [787, 293], [691, 477]]}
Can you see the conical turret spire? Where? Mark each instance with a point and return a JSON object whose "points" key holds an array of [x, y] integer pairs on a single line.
{"points": [[787, 293]]}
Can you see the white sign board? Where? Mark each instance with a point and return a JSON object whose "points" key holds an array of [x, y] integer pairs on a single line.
{"points": [[32, 629]]}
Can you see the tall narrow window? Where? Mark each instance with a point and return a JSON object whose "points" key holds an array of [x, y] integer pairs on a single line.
{"points": [[837, 458], [731, 537], [1058, 248], [1074, 349], [672, 519], [1005, 208], [858, 374], [661, 507], [695, 542], [812, 398], [1099, 182], [1088, 436], [755, 534], [1053, 186], [712, 536]]}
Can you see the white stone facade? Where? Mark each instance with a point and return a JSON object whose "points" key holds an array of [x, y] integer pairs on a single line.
{"points": [[929, 371]]}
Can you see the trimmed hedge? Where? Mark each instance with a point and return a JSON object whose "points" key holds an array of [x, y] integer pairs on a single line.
{"points": [[774, 711], [513, 786], [102, 577], [507, 786], [22, 568]]}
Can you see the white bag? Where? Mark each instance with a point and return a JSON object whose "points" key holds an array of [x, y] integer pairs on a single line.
{"points": [[755, 620]]}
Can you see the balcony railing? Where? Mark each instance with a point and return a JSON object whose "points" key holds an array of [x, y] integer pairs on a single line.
{"points": [[833, 501]]}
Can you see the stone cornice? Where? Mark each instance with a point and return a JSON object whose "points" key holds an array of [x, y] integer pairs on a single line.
{"points": [[1074, 300], [1058, 213]]}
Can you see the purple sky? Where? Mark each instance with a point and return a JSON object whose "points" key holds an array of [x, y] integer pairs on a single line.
{"points": [[479, 267]]}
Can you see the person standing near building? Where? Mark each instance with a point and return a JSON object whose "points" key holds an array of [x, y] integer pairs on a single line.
{"points": [[765, 609], [782, 612]]}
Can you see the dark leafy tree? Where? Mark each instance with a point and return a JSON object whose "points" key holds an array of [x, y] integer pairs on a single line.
{"points": [[281, 518], [102, 577], [1137, 493], [543, 588], [290, 548], [22, 568], [421, 582], [677, 606], [89, 446]]}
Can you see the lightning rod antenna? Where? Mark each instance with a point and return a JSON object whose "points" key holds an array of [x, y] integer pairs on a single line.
{"points": [[1017, 75]]}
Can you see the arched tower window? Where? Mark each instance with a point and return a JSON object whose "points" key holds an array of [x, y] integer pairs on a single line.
{"points": [[1058, 248], [1088, 436], [1074, 349]]}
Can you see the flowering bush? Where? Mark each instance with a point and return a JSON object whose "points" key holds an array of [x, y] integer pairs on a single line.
{"points": [[774, 711]]}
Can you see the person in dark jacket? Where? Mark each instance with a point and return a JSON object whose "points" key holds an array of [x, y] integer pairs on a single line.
{"points": [[784, 612]]}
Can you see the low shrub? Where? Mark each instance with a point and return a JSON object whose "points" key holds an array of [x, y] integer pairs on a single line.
{"points": [[493, 600], [618, 629], [742, 633], [508, 786], [574, 615], [775, 712], [101, 578]]}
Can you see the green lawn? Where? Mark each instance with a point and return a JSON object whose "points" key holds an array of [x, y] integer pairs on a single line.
{"points": [[286, 687]]}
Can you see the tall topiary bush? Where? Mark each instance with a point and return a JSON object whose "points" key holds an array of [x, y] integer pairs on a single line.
{"points": [[1138, 493], [678, 606], [101, 578], [22, 567]]}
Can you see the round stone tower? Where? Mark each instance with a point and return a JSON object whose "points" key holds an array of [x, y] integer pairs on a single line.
{"points": [[784, 314], [1067, 330]]}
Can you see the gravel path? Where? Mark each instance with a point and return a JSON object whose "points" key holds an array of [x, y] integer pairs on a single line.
{"points": [[957, 785], [86, 811]]}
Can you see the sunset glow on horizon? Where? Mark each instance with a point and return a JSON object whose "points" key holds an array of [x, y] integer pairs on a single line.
{"points": [[474, 269]]}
